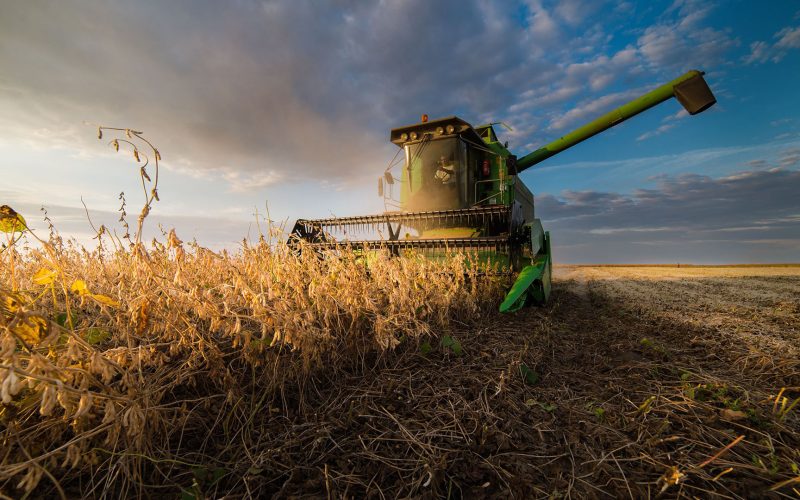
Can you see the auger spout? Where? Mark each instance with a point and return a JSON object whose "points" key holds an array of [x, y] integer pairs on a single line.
{"points": [[691, 90]]}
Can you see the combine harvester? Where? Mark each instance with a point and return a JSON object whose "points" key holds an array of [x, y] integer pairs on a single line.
{"points": [[460, 191]]}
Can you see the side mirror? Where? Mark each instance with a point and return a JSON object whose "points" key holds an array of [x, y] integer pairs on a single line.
{"points": [[388, 176], [511, 164], [380, 187]]}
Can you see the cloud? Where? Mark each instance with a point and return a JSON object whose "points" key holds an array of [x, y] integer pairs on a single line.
{"points": [[244, 181], [592, 108], [756, 207], [759, 53], [762, 52], [217, 232], [668, 123], [781, 121], [574, 12], [566, 81], [232, 86], [789, 158], [680, 41], [660, 130], [788, 38], [242, 86], [543, 27]]}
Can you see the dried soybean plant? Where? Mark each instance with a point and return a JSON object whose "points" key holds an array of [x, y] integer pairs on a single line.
{"points": [[139, 147], [110, 361]]}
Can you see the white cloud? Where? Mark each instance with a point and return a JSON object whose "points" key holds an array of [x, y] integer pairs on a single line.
{"points": [[781, 121], [599, 82], [549, 97], [246, 181], [769, 153], [660, 130], [668, 123], [615, 230], [762, 52], [592, 108], [788, 38], [759, 53], [574, 12], [682, 113], [684, 43], [543, 27], [575, 78]]}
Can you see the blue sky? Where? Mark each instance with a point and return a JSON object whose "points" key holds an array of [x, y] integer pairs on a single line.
{"points": [[289, 104]]}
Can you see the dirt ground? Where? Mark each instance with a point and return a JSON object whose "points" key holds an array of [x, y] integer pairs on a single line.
{"points": [[633, 382]]}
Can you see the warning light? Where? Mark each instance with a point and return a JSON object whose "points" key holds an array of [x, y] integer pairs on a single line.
{"points": [[424, 118]]}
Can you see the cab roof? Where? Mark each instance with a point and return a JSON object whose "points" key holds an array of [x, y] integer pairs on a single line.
{"points": [[461, 128]]}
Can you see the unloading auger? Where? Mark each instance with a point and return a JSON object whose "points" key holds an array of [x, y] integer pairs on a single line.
{"points": [[460, 191]]}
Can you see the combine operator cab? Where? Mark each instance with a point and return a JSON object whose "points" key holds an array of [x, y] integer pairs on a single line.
{"points": [[447, 166]]}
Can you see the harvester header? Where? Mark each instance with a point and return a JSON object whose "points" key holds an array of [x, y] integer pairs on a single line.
{"points": [[459, 189]]}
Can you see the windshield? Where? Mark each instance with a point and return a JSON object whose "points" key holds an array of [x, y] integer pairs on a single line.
{"points": [[435, 175]]}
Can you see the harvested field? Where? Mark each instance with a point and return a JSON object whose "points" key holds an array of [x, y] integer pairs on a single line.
{"points": [[633, 381], [643, 381]]}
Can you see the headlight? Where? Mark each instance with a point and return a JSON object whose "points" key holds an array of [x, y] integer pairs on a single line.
{"points": [[414, 136], [439, 130], [450, 129], [403, 137]]}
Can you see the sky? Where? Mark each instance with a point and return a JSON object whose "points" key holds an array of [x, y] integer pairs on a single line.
{"points": [[284, 108]]}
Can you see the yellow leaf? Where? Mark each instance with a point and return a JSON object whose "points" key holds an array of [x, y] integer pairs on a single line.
{"points": [[79, 287], [44, 276], [10, 303], [105, 300], [11, 221], [31, 329]]}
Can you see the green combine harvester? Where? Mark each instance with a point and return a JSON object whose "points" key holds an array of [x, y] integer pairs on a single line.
{"points": [[460, 190]]}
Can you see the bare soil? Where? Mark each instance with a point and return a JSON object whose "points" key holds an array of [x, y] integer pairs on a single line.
{"points": [[633, 382]]}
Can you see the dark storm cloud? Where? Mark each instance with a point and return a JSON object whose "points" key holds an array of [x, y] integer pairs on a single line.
{"points": [[682, 215], [300, 89], [235, 85]]}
